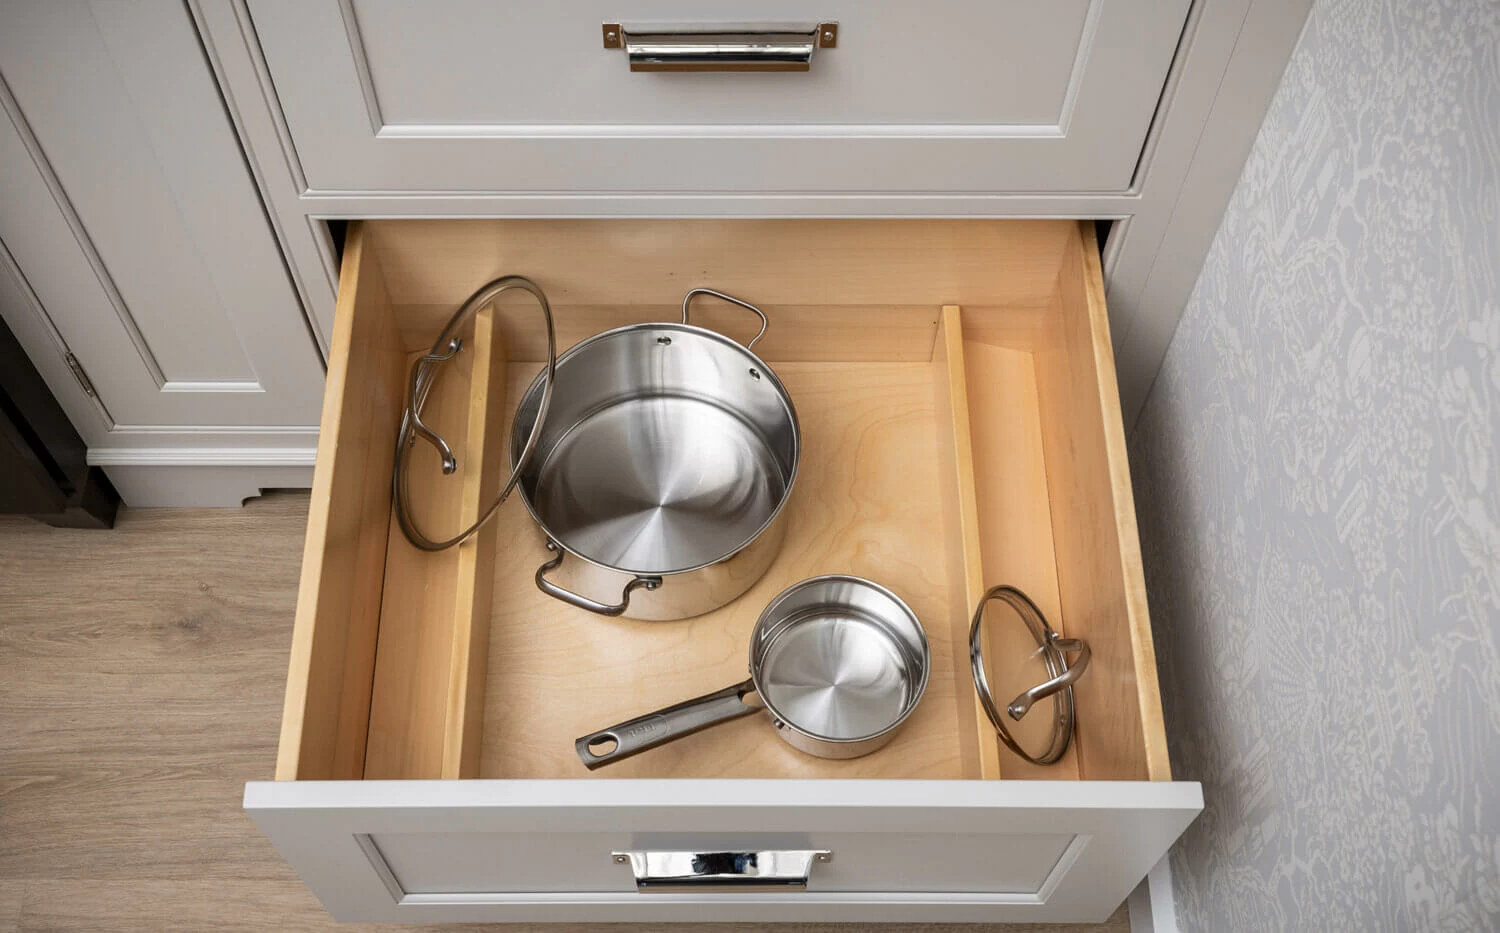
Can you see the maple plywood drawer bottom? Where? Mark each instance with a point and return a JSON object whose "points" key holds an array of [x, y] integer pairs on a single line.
{"points": [[955, 385]]}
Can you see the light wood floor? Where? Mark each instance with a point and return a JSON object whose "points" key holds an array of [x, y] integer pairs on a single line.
{"points": [[141, 673]]}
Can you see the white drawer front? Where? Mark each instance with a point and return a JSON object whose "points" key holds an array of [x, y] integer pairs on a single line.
{"points": [[944, 96], [425, 851], [973, 863]]}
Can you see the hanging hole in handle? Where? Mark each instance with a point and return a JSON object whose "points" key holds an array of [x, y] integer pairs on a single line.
{"points": [[603, 745]]}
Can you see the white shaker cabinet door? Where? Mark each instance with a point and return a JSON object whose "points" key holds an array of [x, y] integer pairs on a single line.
{"points": [[463, 97], [912, 851], [131, 222]]}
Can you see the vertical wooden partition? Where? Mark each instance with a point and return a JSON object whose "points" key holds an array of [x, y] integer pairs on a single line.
{"points": [[960, 507]]}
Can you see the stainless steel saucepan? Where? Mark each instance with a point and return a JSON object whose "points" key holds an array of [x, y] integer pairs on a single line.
{"points": [[838, 662], [664, 465]]}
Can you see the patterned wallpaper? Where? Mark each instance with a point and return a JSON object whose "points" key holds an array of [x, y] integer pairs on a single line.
{"points": [[1316, 473]]}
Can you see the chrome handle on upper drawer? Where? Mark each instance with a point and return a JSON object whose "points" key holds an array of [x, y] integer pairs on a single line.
{"points": [[677, 872], [721, 48]]}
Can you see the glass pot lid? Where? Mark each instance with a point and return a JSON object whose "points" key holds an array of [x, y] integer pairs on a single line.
{"points": [[1014, 653]]}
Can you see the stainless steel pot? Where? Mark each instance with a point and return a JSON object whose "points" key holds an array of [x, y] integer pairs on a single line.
{"points": [[664, 465], [839, 663]]}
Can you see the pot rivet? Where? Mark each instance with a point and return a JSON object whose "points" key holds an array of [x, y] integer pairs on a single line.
{"points": [[754, 373], [664, 341]]}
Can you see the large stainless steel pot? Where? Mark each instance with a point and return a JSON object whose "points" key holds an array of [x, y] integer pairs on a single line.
{"points": [[664, 465]]}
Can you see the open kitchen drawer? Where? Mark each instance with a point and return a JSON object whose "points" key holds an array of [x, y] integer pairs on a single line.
{"points": [[956, 390]]}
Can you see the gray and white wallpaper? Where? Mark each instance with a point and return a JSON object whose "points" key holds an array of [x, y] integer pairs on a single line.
{"points": [[1316, 475]]}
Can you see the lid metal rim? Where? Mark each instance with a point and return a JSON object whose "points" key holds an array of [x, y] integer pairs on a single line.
{"points": [[482, 297], [1062, 701]]}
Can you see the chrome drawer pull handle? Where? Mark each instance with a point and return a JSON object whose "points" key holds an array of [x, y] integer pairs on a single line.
{"points": [[721, 48], [678, 872]]}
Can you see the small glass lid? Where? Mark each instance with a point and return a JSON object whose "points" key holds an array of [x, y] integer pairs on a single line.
{"points": [[1018, 663]]}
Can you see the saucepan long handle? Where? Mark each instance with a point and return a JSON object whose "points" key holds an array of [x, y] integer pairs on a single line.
{"points": [[645, 732]]}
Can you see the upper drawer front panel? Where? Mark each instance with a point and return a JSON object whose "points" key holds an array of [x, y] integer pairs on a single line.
{"points": [[949, 96], [508, 64]]}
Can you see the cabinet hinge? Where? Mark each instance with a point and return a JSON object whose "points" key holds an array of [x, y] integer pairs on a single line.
{"points": [[80, 375]]}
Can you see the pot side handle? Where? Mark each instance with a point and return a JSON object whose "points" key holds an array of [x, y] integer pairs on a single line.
{"points": [[732, 300], [583, 602]]}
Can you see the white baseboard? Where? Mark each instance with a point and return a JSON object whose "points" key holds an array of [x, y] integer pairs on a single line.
{"points": [[1153, 909], [202, 477], [200, 485], [203, 456]]}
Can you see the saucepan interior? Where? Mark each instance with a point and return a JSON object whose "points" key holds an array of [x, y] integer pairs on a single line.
{"points": [[841, 662]]}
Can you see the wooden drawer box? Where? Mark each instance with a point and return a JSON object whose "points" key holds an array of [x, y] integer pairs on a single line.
{"points": [[955, 384]]}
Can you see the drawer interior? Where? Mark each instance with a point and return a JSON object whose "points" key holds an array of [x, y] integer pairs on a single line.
{"points": [[955, 385]]}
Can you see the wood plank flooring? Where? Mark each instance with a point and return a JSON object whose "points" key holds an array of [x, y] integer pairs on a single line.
{"points": [[141, 674]]}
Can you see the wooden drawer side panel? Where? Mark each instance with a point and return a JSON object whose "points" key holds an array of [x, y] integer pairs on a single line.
{"points": [[324, 721], [1120, 732]]}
